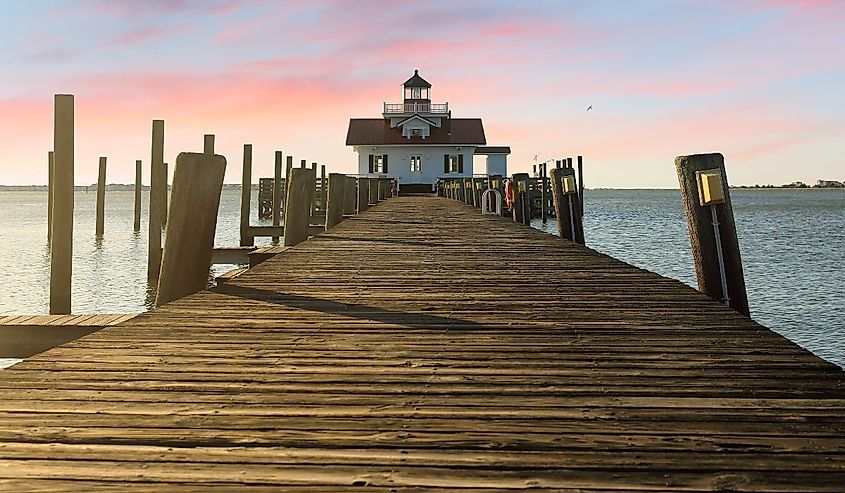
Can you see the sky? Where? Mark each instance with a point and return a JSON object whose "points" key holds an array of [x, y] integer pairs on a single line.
{"points": [[761, 81]]}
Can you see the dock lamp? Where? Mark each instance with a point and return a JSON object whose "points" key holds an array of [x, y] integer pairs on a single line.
{"points": [[711, 193]]}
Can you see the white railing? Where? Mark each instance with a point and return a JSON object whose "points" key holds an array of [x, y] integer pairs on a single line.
{"points": [[416, 107]]}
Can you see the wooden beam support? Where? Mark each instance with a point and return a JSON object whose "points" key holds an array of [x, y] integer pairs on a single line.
{"points": [[298, 206], [363, 185], [277, 191], [50, 187], [334, 190], [157, 196]]}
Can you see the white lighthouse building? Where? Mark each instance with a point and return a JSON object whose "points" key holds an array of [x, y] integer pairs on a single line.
{"points": [[418, 141]]}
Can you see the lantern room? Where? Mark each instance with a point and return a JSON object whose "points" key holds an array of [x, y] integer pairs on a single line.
{"points": [[417, 90]]}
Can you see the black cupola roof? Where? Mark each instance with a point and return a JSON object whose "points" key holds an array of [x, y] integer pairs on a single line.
{"points": [[416, 81]]}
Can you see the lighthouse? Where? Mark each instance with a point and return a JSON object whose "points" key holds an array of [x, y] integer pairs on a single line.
{"points": [[417, 141]]}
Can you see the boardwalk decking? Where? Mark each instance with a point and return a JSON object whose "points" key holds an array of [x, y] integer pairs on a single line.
{"points": [[421, 346]]}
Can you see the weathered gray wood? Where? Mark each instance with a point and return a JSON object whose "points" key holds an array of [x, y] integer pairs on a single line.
{"points": [[298, 206], [363, 187], [336, 199], [138, 190], [277, 191], [101, 198], [208, 144], [165, 174], [288, 166], [158, 192], [197, 184], [246, 192], [50, 188], [702, 236], [561, 203], [323, 185], [61, 241]]}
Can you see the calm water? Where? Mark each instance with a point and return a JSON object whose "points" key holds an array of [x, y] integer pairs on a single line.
{"points": [[792, 244]]}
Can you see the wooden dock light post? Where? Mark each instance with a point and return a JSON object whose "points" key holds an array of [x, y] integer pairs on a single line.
{"points": [[197, 183], [298, 206], [712, 231], [208, 144], [277, 192], [522, 206], [158, 196], [138, 187], [61, 239], [363, 194], [50, 188], [246, 196], [565, 197], [334, 193], [101, 197]]}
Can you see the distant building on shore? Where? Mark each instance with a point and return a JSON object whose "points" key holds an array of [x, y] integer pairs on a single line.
{"points": [[418, 141]]}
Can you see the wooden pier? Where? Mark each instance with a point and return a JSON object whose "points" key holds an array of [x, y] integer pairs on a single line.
{"points": [[422, 346]]}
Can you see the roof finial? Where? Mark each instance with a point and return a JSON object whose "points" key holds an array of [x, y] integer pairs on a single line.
{"points": [[416, 71]]}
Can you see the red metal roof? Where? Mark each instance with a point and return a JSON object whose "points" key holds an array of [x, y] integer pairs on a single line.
{"points": [[377, 131]]}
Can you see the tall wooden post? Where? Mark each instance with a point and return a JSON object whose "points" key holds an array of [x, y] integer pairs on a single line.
{"points": [[277, 191], [157, 196], [314, 194], [50, 188], [363, 194], [544, 196], [567, 209], [703, 232], [324, 188], [334, 191], [164, 194], [197, 183], [101, 197], [138, 188], [569, 162], [61, 241], [298, 206], [208, 144], [246, 196], [288, 166], [520, 191], [581, 184]]}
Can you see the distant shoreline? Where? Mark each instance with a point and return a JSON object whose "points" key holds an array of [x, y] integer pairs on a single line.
{"points": [[119, 187]]}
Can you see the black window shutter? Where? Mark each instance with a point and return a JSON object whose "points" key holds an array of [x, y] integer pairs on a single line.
{"points": [[460, 163], [371, 163], [384, 164], [445, 163]]}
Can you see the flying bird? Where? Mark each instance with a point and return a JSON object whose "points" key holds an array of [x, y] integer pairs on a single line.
{"points": [[589, 107]]}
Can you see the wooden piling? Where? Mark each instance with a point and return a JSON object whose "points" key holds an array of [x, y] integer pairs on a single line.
{"points": [[349, 195], [372, 191], [50, 188], [700, 220], [581, 184], [314, 192], [544, 196], [165, 194], [363, 194], [567, 210], [138, 189], [246, 196], [298, 206], [334, 193], [197, 183], [157, 195], [101, 197], [277, 191], [323, 188], [288, 166], [208, 144], [61, 240], [519, 184]]}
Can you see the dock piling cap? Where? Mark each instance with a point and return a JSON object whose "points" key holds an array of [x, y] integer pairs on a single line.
{"points": [[710, 191]]}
